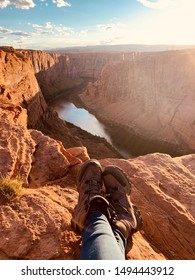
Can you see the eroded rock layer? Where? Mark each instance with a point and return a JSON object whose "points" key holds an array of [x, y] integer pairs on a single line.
{"points": [[152, 95], [18, 84]]}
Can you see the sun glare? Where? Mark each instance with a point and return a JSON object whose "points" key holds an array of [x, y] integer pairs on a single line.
{"points": [[174, 25]]}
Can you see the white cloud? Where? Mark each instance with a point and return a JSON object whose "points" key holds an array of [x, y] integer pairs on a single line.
{"points": [[46, 28], [48, 25], [14, 32], [22, 4], [49, 28], [109, 27], [4, 3], [173, 24], [27, 4], [104, 27], [61, 3], [83, 33], [20, 33], [158, 4], [4, 30], [106, 42], [36, 26], [62, 30]]}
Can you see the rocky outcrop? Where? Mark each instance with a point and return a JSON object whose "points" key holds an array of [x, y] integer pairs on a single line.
{"points": [[164, 188], [28, 154], [16, 145], [152, 95], [36, 220], [18, 84], [37, 226], [40, 218], [37, 223]]}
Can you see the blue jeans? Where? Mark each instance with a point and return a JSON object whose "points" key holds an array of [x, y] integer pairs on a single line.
{"points": [[100, 241]]}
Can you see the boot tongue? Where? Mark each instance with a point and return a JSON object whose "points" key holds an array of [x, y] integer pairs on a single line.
{"points": [[94, 183], [94, 186]]}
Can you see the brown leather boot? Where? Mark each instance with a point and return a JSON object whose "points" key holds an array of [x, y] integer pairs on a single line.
{"points": [[127, 217], [89, 183]]}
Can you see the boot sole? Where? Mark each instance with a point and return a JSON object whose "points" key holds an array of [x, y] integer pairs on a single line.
{"points": [[138, 218]]}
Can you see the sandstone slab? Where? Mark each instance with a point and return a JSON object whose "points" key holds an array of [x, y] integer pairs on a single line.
{"points": [[163, 188]]}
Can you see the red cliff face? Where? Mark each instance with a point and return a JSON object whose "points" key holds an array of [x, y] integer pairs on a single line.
{"points": [[153, 95], [89, 65], [54, 72], [18, 84], [57, 72]]}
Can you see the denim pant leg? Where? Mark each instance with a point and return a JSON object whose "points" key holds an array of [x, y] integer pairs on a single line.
{"points": [[100, 241]]}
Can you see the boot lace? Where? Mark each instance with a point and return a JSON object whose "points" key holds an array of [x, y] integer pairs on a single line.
{"points": [[94, 185]]}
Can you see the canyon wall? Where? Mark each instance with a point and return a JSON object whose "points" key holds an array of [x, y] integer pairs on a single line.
{"points": [[18, 84], [54, 72], [19, 87], [89, 65], [152, 95], [58, 72], [36, 224]]}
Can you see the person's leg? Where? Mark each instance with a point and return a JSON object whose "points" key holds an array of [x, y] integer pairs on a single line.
{"points": [[92, 216], [100, 241], [121, 240], [104, 233]]}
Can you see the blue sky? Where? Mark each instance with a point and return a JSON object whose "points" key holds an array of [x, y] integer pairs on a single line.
{"points": [[42, 24]]}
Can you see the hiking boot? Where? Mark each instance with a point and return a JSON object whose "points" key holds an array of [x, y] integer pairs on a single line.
{"points": [[89, 183], [127, 218]]}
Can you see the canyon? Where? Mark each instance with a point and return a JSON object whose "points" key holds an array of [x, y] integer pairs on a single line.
{"points": [[153, 97], [45, 153], [152, 94]]}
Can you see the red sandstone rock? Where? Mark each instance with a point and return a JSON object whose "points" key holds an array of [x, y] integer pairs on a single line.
{"points": [[19, 86], [151, 94], [58, 72], [163, 189], [30, 155], [49, 162], [37, 225], [16, 144], [81, 154], [54, 72]]}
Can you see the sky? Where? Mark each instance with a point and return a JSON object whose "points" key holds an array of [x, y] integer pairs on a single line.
{"points": [[45, 24]]}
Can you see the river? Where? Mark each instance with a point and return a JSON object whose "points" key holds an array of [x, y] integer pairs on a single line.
{"points": [[82, 118]]}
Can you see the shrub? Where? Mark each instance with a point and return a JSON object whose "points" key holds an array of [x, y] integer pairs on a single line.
{"points": [[9, 189]]}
